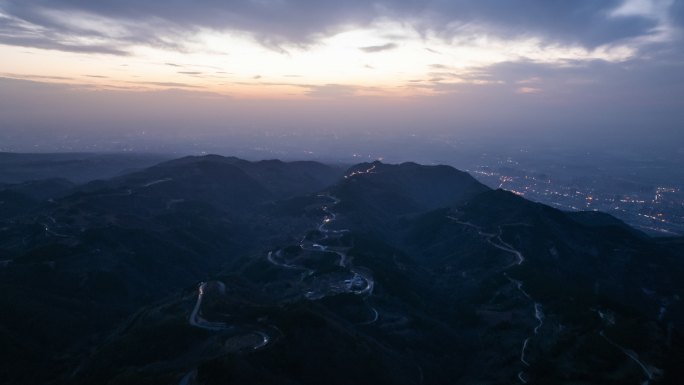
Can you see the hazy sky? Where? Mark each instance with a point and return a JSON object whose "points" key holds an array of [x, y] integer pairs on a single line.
{"points": [[79, 73]]}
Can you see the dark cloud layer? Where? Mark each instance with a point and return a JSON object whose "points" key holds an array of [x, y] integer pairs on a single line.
{"points": [[586, 22], [678, 12]]}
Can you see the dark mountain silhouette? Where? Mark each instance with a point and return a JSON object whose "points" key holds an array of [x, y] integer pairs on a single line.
{"points": [[21, 198], [378, 193], [75, 167], [42, 189], [599, 219], [392, 274]]}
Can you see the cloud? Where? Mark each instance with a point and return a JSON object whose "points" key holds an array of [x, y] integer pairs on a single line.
{"points": [[14, 31], [331, 91], [53, 28], [528, 90], [164, 84], [14, 76], [584, 22], [119, 24], [533, 39], [378, 48], [678, 12]]}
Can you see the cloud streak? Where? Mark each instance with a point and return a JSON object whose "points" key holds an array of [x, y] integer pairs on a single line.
{"points": [[379, 48]]}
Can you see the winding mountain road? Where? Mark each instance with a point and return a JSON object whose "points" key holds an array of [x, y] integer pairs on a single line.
{"points": [[496, 241], [649, 372], [196, 319], [360, 283]]}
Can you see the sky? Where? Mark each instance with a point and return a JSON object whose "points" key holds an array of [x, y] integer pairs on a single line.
{"points": [[313, 76]]}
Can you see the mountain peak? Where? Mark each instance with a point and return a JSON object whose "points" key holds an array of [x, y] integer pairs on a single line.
{"points": [[397, 189]]}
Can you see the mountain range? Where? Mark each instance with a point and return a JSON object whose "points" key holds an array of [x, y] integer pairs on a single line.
{"points": [[217, 270]]}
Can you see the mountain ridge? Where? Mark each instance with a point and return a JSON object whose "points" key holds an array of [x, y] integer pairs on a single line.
{"points": [[415, 270]]}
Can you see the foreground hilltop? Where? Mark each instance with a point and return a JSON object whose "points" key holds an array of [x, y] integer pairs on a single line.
{"points": [[214, 270]]}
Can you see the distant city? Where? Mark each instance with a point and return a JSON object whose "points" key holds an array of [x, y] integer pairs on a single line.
{"points": [[656, 209]]}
